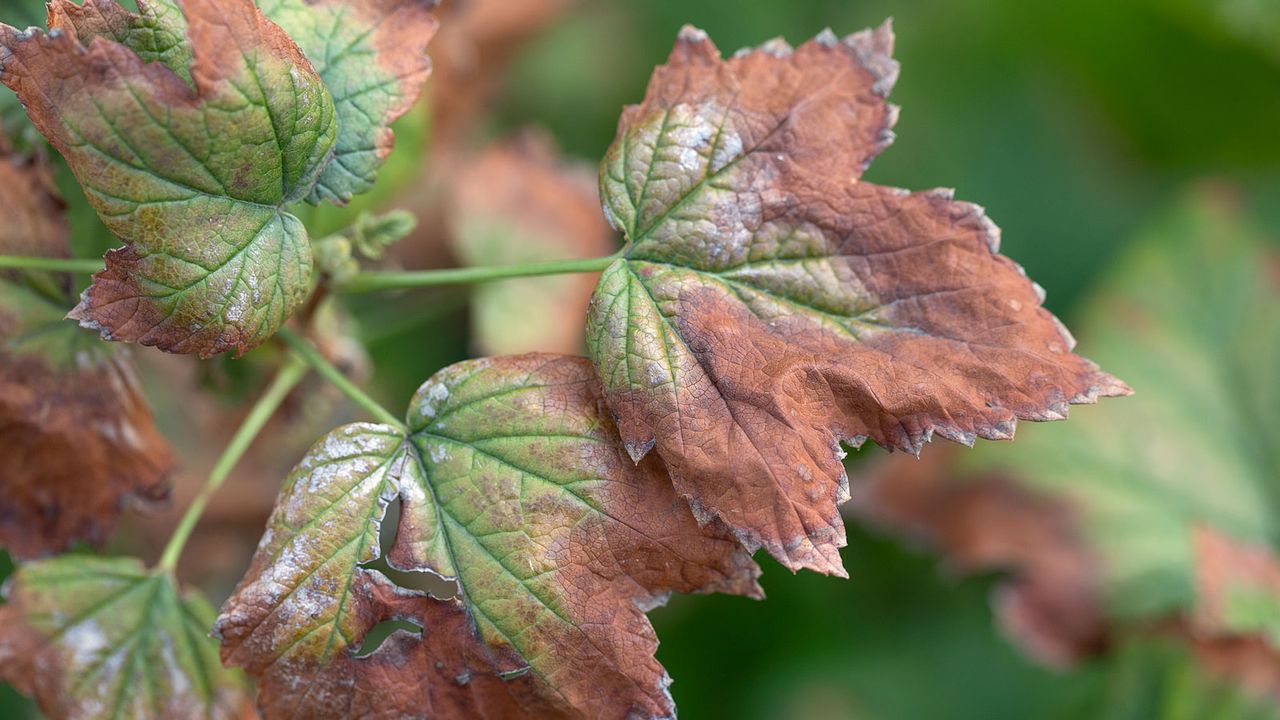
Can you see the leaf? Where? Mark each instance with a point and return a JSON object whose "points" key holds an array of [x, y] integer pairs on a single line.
{"points": [[194, 181], [371, 55], [77, 442], [514, 484], [516, 203], [96, 637], [1171, 496], [157, 32], [771, 305]]}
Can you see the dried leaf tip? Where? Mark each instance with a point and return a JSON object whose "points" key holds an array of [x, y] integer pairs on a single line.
{"points": [[875, 50]]}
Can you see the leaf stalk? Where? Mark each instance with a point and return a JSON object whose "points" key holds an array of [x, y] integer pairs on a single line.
{"points": [[290, 374], [307, 353], [373, 281], [71, 265]]}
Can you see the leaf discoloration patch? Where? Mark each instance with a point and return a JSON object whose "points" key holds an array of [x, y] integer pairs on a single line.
{"points": [[513, 484], [771, 305], [193, 177], [94, 638], [371, 55]]}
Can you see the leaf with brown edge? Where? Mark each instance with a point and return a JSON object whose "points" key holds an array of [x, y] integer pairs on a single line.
{"points": [[157, 32], [92, 637], [514, 484], [1166, 500], [77, 442], [371, 55], [194, 179], [770, 305], [517, 202]]}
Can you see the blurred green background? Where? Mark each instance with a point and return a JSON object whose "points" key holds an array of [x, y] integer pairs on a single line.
{"points": [[1073, 124]]}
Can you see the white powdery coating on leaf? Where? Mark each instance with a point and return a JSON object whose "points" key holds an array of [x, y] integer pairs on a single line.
{"points": [[433, 397], [86, 641]]}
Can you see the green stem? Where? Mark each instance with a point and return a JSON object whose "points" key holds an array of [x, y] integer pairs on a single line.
{"points": [[71, 265], [289, 376], [373, 281], [308, 354]]}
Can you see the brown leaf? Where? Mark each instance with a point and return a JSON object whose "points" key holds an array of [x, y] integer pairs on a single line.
{"points": [[514, 484], [77, 443], [770, 305], [518, 202], [1250, 661]]}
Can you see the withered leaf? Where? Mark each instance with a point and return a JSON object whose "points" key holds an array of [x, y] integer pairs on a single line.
{"points": [[771, 305], [517, 203], [194, 179], [371, 55], [77, 442], [1170, 495], [92, 637], [513, 484]]}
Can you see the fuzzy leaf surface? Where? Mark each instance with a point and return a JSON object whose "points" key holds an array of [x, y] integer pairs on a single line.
{"points": [[194, 178], [371, 55], [514, 484], [92, 637], [771, 305]]}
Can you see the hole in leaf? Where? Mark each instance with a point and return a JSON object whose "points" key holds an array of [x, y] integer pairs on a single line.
{"points": [[379, 633], [422, 580]]}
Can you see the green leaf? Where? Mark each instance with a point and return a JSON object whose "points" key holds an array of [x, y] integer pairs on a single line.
{"points": [[96, 637], [771, 305], [195, 181], [371, 55], [513, 484]]}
